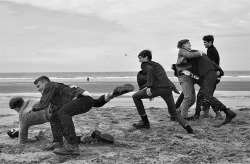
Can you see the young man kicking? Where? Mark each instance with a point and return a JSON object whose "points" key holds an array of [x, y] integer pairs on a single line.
{"points": [[63, 94]]}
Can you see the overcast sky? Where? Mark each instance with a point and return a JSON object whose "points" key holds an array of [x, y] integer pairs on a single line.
{"points": [[107, 35]]}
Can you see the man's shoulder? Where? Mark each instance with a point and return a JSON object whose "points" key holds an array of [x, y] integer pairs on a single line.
{"points": [[182, 50], [212, 48]]}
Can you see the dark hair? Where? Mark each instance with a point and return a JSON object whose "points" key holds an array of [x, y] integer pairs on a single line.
{"points": [[208, 38], [145, 53], [16, 102], [181, 42], [42, 78]]}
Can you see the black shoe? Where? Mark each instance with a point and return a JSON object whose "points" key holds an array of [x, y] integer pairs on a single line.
{"points": [[13, 133], [118, 91], [105, 138], [141, 125], [189, 129], [193, 118]]}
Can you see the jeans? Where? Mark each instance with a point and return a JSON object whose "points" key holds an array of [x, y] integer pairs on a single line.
{"points": [[205, 96], [61, 121], [166, 95], [188, 91]]}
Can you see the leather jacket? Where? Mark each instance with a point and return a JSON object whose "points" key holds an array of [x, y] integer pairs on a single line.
{"points": [[58, 94]]}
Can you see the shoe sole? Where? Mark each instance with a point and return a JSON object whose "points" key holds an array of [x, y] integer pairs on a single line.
{"points": [[118, 91]]}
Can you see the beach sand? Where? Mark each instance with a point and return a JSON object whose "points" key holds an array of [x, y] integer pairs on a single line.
{"points": [[165, 142]]}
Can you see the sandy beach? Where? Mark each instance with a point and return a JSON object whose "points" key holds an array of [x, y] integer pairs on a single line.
{"points": [[165, 142]]}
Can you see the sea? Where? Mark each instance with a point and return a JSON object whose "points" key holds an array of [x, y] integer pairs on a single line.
{"points": [[234, 86], [102, 82]]}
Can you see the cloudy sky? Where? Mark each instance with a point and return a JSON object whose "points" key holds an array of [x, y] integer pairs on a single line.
{"points": [[107, 35]]}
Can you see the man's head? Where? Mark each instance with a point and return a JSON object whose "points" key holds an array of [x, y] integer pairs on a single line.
{"points": [[184, 44], [208, 40], [41, 82], [16, 103], [145, 55]]}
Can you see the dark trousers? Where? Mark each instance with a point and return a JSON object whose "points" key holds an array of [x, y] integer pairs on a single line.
{"points": [[61, 121], [205, 96], [166, 95]]}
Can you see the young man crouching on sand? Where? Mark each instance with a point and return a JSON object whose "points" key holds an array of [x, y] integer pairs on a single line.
{"points": [[28, 118]]}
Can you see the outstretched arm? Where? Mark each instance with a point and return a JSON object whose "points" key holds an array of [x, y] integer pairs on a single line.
{"points": [[190, 54]]}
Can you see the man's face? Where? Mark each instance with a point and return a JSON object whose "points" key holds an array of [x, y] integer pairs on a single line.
{"points": [[187, 46], [142, 59], [40, 86], [207, 44]]}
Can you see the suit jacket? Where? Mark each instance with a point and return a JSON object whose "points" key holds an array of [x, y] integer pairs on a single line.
{"points": [[153, 75], [202, 65]]}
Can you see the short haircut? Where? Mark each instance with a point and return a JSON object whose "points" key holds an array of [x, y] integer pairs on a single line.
{"points": [[182, 42], [145, 53], [208, 38], [16, 102], [42, 78]]}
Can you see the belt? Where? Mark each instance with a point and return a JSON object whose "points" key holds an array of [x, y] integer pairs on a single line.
{"points": [[191, 75]]}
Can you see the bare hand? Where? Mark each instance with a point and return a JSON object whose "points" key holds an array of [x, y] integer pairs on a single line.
{"points": [[86, 93], [148, 91], [218, 73]]}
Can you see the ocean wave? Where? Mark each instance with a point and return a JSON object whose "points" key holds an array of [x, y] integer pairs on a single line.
{"points": [[99, 77]]}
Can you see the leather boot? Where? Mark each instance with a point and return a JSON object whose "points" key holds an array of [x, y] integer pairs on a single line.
{"points": [[229, 116], [141, 125], [69, 149]]}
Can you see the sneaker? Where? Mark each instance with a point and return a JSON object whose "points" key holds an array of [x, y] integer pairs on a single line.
{"points": [[189, 129], [105, 138], [69, 149], [118, 91], [87, 140], [218, 116], [53, 146], [141, 125]]}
